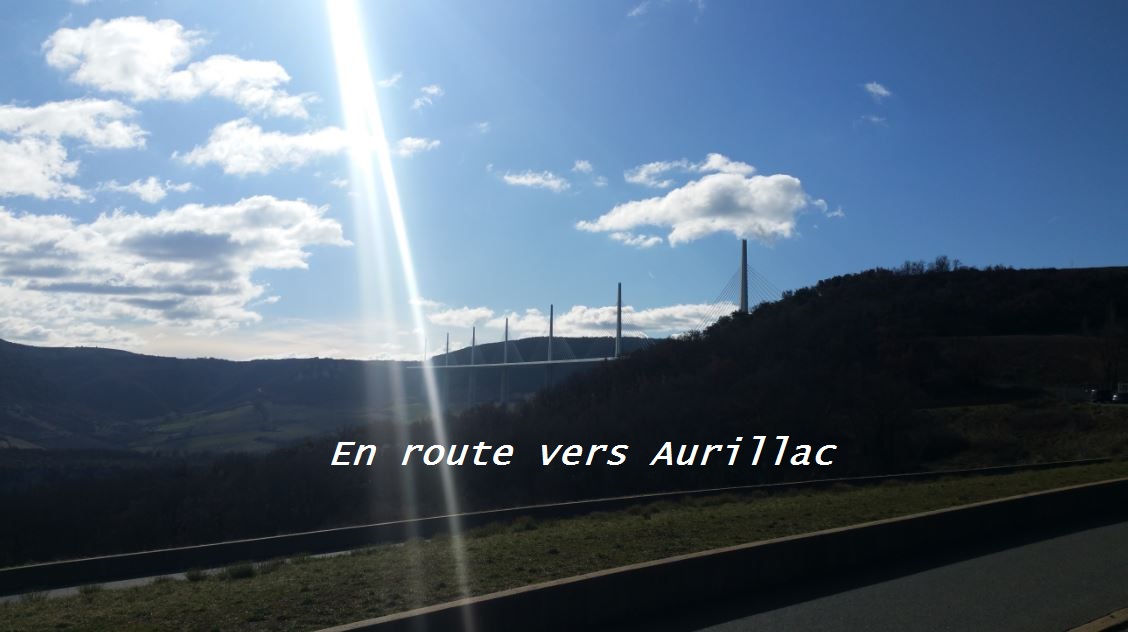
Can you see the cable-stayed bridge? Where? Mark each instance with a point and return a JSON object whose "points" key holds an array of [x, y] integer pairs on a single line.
{"points": [[746, 287]]}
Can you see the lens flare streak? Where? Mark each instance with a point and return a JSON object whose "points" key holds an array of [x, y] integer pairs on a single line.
{"points": [[365, 126]]}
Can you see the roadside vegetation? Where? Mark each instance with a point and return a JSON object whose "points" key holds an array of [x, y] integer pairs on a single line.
{"points": [[1032, 430], [305, 593]]}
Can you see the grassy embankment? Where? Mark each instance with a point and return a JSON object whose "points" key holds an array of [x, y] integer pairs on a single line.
{"points": [[1031, 431], [308, 593]]}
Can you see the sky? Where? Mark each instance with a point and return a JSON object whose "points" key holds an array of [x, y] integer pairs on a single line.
{"points": [[183, 178]]}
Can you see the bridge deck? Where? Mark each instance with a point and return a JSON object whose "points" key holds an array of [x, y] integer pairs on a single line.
{"points": [[512, 364]]}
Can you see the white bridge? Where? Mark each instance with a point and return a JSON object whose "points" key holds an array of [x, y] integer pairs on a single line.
{"points": [[739, 282]]}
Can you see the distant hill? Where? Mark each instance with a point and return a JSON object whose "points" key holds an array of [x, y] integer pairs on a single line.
{"points": [[872, 345], [102, 398], [920, 367]]}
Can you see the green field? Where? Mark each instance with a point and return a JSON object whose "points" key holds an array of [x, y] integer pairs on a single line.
{"points": [[243, 428], [307, 593]]}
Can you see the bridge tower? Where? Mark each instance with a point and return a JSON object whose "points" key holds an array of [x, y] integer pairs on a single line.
{"points": [[548, 367], [743, 276], [446, 373], [470, 376], [619, 322], [505, 370]]}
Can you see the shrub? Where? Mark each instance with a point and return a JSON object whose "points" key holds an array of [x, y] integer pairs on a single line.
{"points": [[238, 571]]}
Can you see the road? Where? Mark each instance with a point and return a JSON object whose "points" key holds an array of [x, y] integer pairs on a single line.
{"points": [[1050, 585]]}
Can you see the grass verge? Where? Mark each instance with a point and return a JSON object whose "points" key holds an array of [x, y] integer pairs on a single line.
{"points": [[310, 593]]}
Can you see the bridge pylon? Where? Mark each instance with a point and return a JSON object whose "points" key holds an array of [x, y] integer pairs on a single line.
{"points": [[619, 322], [548, 367], [504, 369], [743, 276], [471, 377]]}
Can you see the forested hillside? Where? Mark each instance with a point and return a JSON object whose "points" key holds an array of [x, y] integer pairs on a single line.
{"points": [[101, 398]]}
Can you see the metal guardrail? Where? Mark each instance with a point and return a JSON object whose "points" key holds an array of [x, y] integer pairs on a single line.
{"points": [[65, 573]]}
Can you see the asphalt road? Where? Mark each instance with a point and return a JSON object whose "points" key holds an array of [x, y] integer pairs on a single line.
{"points": [[1050, 585]]}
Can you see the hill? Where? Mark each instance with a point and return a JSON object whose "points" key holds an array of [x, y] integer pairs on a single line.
{"points": [[64, 398], [857, 353]]}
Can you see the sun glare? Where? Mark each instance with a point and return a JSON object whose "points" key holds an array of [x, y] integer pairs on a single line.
{"points": [[371, 162]]}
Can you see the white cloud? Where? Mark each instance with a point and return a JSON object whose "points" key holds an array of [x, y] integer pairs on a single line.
{"points": [[532, 322], [35, 162], [187, 268], [577, 321], [34, 318], [585, 166], [390, 82], [877, 91], [639, 9], [837, 212], [427, 97], [483, 127], [582, 166], [537, 180], [37, 167], [644, 7], [241, 147], [96, 122], [726, 200], [150, 190], [581, 320], [249, 83], [650, 174], [291, 338], [874, 119], [722, 164], [340, 183], [146, 60], [459, 316], [411, 145], [638, 241]]}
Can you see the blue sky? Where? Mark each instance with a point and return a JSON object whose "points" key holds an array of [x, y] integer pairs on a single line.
{"points": [[175, 178]]}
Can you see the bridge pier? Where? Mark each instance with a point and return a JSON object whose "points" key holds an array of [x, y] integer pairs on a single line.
{"points": [[743, 276], [470, 372], [446, 375], [619, 322], [548, 367], [504, 369]]}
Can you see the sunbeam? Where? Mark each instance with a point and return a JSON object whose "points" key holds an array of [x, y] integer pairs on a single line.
{"points": [[365, 127]]}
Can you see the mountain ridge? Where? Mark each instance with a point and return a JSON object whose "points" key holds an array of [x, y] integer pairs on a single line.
{"points": [[88, 397]]}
